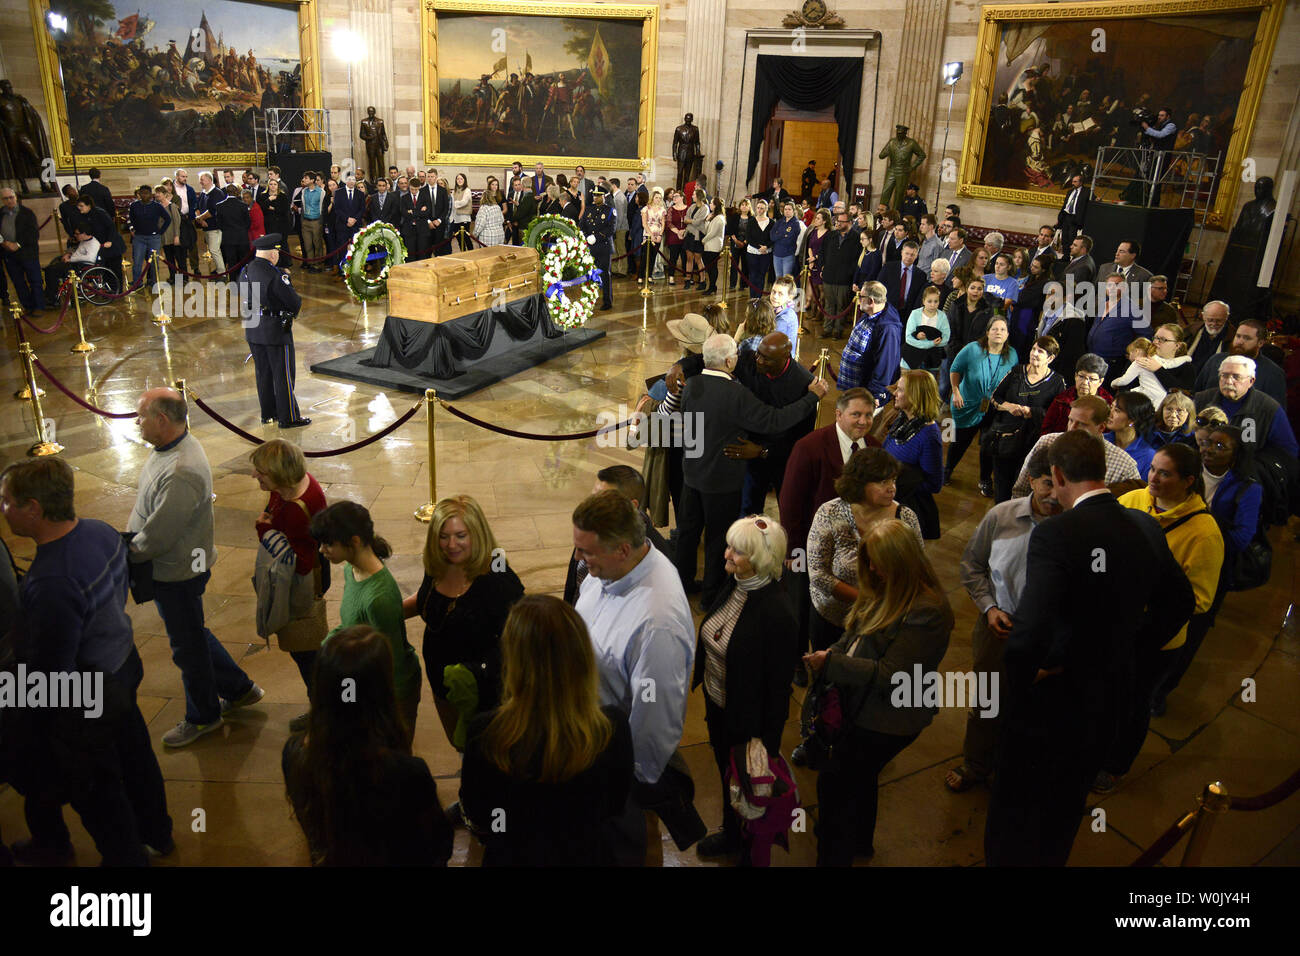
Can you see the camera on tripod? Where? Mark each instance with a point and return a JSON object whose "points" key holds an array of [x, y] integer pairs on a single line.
{"points": [[1141, 116]]}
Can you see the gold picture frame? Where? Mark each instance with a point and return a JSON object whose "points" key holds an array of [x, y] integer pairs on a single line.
{"points": [[56, 103], [647, 14], [995, 17]]}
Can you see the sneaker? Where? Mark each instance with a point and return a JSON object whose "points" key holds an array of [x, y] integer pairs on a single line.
{"points": [[30, 854], [986, 488], [299, 723], [716, 844], [165, 848], [1105, 782], [186, 733], [251, 696]]}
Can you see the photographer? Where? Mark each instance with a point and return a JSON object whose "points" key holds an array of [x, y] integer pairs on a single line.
{"points": [[1159, 136]]}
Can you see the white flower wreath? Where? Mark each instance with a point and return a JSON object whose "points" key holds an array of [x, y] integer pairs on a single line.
{"points": [[569, 255], [362, 286]]}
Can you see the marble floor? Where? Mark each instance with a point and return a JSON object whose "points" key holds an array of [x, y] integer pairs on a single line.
{"points": [[528, 490]]}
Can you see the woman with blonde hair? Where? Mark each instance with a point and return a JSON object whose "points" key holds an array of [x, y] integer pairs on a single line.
{"points": [[915, 441], [296, 498], [759, 321], [466, 593], [899, 624], [653, 218], [549, 758], [552, 205]]}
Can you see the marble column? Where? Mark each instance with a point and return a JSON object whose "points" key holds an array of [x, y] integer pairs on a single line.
{"points": [[919, 81], [701, 81], [372, 74]]}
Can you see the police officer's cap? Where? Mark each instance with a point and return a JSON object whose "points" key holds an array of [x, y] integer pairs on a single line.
{"points": [[271, 240], [599, 192]]}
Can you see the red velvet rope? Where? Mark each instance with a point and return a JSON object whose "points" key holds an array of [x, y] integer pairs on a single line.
{"points": [[75, 397], [53, 328], [215, 416], [510, 432]]}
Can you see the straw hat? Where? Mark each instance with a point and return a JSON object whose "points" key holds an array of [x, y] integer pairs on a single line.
{"points": [[691, 330]]}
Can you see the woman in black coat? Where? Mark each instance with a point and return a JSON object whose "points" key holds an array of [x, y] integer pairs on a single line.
{"points": [[747, 642], [232, 217], [276, 219]]}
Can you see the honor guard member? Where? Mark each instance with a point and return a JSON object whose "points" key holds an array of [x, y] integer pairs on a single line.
{"points": [[268, 330], [598, 221]]}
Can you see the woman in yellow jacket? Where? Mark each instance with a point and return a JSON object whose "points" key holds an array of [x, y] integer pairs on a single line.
{"points": [[1173, 497]]}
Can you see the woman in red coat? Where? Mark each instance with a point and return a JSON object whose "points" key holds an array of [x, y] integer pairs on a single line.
{"points": [[257, 222]]}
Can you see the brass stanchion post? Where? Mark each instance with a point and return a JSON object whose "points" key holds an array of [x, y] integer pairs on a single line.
{"points": [[1214, 802], [43, 447], [424, 513], [82, 345], [803, 290], [160, 313], [820, 370], [646, 291], [726, 269], [23, 394]]}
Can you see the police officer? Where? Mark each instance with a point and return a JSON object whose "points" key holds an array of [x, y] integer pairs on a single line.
{"points": [[598, 221], [268, 329]]}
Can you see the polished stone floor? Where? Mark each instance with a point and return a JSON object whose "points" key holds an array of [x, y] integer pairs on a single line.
{"points": [[528, 490]]}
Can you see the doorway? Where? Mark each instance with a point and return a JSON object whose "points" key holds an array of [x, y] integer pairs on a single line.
{"points": [[794, 137]]}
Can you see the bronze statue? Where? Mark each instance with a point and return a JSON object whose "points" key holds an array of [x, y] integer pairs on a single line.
{"points": [[23, 144], [686, 151], [376, 140], [904, 155], [1235, 282]]}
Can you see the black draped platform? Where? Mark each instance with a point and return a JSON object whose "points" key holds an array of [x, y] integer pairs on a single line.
{"points": [[461, 356]]}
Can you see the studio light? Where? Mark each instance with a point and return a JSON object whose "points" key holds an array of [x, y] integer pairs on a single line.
{"points": [[951, 73]]}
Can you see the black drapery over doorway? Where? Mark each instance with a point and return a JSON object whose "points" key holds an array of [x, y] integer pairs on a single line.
{"points": [[808, 83]]}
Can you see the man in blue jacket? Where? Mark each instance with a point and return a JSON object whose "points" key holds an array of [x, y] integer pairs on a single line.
{"points": [[875, 346]]}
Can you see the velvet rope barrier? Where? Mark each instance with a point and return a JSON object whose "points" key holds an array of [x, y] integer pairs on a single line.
{"points": [[77, 398], [511, 433], [382, 433], [63, 314]]}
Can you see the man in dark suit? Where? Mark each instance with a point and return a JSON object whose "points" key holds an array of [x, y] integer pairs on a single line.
{"points": [[413, 213], [1125, 264], [349, 211], [1102, 588], [20, 250], [816, 461], [188, 199], [1073, 210], [1078, 271], [904, 282], [99, 192], [383, 205], [627, 481], [522, 209], [439, 202], [955, 250], [716, 410]]}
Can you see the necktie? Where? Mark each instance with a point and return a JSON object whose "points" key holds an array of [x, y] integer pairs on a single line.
{"points": [[952, 259], [580, 573], [902, 287], [1069, 207]]}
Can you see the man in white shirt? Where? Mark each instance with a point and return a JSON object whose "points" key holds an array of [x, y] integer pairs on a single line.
{"points": [[79, 259], [1070, 219], [643, 635]]}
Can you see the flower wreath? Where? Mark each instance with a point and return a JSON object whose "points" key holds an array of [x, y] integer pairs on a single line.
{"points": [[363, 286], [566, 263]]}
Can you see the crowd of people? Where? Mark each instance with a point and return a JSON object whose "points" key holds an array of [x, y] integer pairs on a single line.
{"points": [[1171, 454]]}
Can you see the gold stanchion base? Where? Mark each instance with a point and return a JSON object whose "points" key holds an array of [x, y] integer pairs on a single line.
{"points": [[43, 449], [162, 319], [424, 513], [24, 394], [83, 346]]}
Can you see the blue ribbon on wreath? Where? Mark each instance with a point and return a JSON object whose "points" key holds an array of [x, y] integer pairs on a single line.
{"points": [[555, 288]]}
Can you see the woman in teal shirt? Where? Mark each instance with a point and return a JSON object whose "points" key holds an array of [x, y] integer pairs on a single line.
{"points": [[371, 596], [975, 373]]}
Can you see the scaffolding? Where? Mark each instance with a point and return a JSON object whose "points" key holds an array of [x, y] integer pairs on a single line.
{"points": [[1146, 177], [301, 130]]}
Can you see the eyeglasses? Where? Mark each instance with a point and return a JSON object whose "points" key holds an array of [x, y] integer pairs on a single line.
{"points": [[1087, 379], [1159, 339], [1203, 422], [1233, 376]]}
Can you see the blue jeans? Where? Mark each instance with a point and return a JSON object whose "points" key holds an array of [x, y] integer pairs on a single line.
{"points": [[141, 249], [783, 265], [207, 669]]}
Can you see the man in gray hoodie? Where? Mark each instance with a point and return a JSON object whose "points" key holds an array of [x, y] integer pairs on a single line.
{"points": [[172, 526]]}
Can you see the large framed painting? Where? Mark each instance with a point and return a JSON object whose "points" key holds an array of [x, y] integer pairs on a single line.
{"points": [[1052, 83], [171, 82], [563, 83]]}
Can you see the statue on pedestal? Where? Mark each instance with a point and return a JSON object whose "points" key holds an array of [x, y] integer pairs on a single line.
{"points": [[23, 144], [375, 137], [1235, 282], [686, 151], [904, 155]]}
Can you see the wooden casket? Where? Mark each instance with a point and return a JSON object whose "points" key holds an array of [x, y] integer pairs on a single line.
{"points": [[448, 287]]}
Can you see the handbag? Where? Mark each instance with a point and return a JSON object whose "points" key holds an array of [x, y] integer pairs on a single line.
{"points": [[827, 725], [322, 563]]}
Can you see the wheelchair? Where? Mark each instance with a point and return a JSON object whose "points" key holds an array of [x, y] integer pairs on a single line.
{"points": [[98, 285]]}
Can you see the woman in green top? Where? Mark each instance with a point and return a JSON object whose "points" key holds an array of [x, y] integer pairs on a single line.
{"points": [[370, 594], [975, 372]]}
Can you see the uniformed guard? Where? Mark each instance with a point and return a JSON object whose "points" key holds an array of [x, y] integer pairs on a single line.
{"points": [[598, 221], [270, 305]]}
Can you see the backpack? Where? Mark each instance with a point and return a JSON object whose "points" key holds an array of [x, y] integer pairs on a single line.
{"points": [[1252, 566]]}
